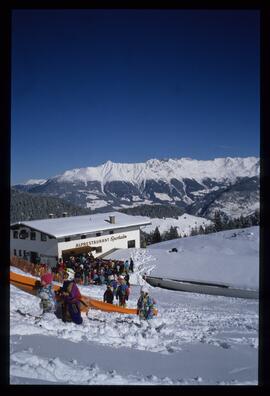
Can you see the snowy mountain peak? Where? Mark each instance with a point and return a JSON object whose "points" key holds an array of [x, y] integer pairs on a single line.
{"points": [[154, 169]]}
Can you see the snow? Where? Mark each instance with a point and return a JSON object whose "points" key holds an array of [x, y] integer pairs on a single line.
{"points": [[243, 207], [195, 339], [99, 203], [205, 191], [35, 181], [91, 196], [227, 257], [219, 169], [183, 223], [162, 196], [136, 198]]}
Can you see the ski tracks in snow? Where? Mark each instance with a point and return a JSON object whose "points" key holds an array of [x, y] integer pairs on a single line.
{"points": [[143, 263], [168, 333]]}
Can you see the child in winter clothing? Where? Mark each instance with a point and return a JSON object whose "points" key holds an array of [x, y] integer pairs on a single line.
{"points": [[46, 293], [71, 296], [113, 283], [108, 295], [126, 266], [122, 292], [145, 305]]}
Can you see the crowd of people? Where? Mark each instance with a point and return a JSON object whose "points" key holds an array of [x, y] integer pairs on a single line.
{"points": [[87, 270], [91, 270], [66, 303]]}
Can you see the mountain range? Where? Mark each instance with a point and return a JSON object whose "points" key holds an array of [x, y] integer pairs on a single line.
{"points": [[230, 185]]}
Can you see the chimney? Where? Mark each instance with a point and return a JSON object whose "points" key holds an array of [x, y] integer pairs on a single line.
{"points": [[51, 215], [64, 214], [112, 219]]}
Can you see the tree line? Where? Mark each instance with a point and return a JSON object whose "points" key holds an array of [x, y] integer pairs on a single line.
{"points": [[25, 206], [219, 223]]}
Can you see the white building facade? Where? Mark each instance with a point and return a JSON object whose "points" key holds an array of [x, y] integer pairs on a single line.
{"points": [[49, 239]]}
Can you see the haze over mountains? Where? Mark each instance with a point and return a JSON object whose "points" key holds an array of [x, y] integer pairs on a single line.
{"points": [[230, 185]]}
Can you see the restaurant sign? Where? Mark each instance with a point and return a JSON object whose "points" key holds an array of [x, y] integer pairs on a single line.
{"points": [[101, 240]]}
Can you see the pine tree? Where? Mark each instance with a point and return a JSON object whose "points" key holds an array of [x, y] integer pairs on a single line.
{"points": [[201, 230], [218, 221], [194, 231], [156, 237], [209, 229], [256, 217], [173, 233]]}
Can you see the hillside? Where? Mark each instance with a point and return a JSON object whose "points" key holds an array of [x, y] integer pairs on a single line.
{"points": [[154, 211], [230, 185], [26, 206], [226, 257]]}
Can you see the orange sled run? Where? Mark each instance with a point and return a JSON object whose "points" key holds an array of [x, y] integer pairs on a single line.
{"points": [[28, 284]]}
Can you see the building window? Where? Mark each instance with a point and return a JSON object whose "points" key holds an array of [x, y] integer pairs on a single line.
{"points": [[67, 239], [131, 244], [15, 252], [33, 236], [43, 237], [20, 253], [23, 234], [99, 249], [112, 232], [83, 236], [98, 234], [15, 234]]}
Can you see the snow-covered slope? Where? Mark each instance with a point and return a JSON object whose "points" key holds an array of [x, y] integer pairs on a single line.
{"points": [[184, 224], [227, 257], [196, 339]]}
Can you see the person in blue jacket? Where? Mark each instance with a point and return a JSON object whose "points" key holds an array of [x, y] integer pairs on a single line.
{"points": [[145, 304]]}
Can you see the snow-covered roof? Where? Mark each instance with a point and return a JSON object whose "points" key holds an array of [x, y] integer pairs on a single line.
{"points": [[65, 226]]}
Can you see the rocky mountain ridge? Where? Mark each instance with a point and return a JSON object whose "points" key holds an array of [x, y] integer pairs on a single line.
{"points": [[230, 185]]}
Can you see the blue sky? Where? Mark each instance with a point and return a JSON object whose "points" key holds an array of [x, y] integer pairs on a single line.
{"points": [[129, 85]]}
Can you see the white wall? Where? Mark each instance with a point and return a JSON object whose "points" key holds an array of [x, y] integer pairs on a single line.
{"points": [[47, 248], [118, 240]]}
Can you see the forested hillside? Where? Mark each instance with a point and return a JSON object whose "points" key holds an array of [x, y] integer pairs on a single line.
{"points": [[26, 206]]}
